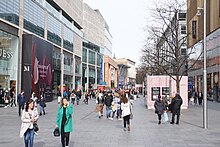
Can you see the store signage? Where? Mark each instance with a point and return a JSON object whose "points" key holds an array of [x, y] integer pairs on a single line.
{"points": [[26, 68], [6, 54]]}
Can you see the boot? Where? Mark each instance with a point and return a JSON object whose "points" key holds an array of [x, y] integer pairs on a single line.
{"points": [[159, 122], [129, 128]]}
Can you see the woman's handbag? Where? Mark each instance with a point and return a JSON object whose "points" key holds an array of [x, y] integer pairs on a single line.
{"points": [[36, 128], [56, 132]]}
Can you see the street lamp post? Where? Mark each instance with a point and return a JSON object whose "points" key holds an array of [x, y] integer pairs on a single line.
{"points": [[204, 72], [204, 64]]}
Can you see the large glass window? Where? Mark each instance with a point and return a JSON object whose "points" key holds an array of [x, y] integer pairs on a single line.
{"points": [[84, 55], [98, 76], [98, 59], [84, 74], [68, 60], [92, 75], [68, 82], [33, 18], [54, 30], [8, 61], [56, 60], [91, 57], [68, 39], [77, 65], [9, 10]]}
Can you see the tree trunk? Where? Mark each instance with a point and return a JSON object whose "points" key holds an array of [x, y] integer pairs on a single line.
{"points": [[177, 84]]}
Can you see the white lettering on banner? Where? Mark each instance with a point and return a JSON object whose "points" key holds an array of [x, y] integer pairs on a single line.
{"points": [[26, 68], [43, 70], [5, 53]]}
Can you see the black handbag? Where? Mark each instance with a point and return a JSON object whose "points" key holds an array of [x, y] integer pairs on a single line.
{"points": [[36, 128], [56, 132]]}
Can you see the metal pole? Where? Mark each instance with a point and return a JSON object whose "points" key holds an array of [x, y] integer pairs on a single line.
{"points": [[204, 72]]}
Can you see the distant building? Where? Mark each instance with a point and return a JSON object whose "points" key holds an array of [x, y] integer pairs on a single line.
{"points": [[126, 72]]}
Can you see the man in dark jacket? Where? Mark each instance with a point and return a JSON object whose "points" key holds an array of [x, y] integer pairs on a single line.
{"points": [[176, 104], [108, 103], [21, 102]]}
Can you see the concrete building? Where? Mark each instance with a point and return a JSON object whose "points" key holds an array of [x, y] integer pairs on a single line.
{"points": [[111, 72], [195, 40], [29, 28], [126, 72], [98, 66]]}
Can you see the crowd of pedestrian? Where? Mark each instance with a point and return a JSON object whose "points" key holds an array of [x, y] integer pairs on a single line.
{"points": [[117, 105], [195, 97]]}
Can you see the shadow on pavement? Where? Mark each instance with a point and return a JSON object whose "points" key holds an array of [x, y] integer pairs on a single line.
{"points": [[191, 124]]}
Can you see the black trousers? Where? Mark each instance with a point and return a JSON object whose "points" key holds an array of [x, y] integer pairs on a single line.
{"points": [[65, 137], [20, 107], [126, 120], [13, 102], [177, 113], [159, 116]]}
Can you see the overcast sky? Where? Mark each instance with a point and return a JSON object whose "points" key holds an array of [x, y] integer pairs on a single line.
{"points": [[127, 20]]}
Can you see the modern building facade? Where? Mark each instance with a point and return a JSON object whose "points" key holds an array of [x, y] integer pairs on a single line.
{"points": [[110, 72], [93, 44], [97, 45], [195, 23], [51, 46], [126, 73], [29, 28]]}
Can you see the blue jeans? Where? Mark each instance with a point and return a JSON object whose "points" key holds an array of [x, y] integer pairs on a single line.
{"points": [[108, 111], [29, 135]]}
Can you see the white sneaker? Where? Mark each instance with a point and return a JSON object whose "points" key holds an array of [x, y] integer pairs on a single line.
{"points": [[110, 118], [120, 119]]}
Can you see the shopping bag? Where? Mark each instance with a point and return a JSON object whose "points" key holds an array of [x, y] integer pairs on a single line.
{"points": [[165, 117]]}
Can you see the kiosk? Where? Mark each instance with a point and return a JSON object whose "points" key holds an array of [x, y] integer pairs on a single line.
{"points": [[164, 86]]}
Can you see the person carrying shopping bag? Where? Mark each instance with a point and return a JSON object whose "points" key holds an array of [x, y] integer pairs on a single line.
{"points": [[64, 121], [159, 108]]}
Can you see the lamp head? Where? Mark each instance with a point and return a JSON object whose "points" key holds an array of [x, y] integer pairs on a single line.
{"points": [[198, 13]]}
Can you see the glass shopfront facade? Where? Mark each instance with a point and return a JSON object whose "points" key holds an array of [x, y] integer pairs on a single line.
{"points": [[68, 71], [8, 61], [9, 10]]}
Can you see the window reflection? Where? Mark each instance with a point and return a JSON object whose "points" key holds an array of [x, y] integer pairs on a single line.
{"points": [[33, 18], [9, 10]]}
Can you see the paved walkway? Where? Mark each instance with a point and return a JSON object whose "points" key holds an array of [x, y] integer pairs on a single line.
{"points": [[90, 131]]}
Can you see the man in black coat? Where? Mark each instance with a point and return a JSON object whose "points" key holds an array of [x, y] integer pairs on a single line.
{"points": [[176, 105]]}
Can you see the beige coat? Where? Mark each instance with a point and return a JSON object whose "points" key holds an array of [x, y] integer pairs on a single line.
{"points": [[26, 121]]}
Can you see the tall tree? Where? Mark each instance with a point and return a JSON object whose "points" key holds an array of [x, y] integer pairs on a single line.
{"points": [[166, 51]]}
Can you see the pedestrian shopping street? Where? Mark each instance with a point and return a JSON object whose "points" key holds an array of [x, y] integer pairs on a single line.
{"points": [[90, 131]]}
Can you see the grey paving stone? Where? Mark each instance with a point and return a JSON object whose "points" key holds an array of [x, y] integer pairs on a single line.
{"points": [[90, 131]]}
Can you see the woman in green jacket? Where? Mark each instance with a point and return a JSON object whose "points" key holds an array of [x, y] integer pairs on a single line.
{"points": [[64, 121]]}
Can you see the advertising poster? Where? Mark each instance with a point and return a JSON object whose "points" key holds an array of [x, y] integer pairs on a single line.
{"points": [[37, 67]]}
